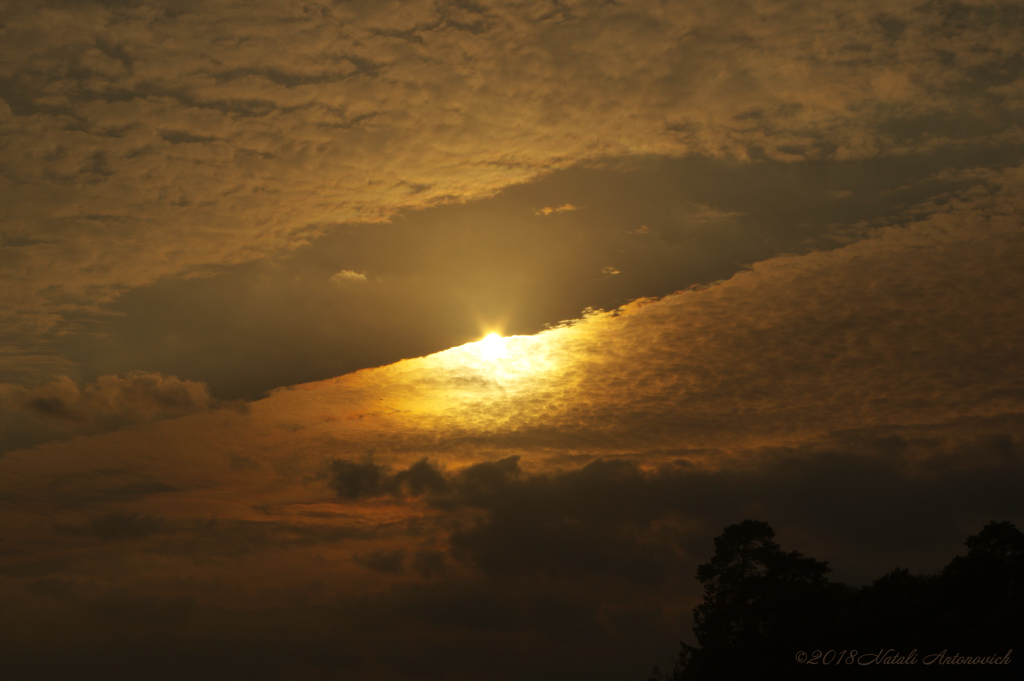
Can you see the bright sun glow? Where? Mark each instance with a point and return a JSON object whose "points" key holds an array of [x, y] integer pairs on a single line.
{"points": [[493, 346], [508, 364]]}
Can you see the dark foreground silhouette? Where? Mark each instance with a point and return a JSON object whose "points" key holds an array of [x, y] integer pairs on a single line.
{"points": [[771, 612]]}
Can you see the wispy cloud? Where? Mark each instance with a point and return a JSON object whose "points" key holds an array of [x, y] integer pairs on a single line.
{"points": [[347, 276], [709, 214], [549, 210]]}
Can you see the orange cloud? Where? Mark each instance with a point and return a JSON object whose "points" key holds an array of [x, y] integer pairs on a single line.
{"points": [[548, 210]]}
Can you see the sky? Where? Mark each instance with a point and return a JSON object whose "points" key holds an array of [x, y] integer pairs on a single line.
{"points": [[744, 260]]}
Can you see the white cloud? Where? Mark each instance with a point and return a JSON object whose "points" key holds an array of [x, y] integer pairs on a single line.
{"points": [[709, 214], [548, 210], [347, 276]]}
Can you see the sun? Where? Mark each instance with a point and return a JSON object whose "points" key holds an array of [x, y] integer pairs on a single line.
{"points": [[493, 346], [506, 362]]}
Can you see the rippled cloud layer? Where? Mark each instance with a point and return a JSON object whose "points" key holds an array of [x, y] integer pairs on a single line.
{"points": [[150, 140]]}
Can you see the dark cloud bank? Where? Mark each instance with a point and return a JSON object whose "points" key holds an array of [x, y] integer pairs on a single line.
{"points": [[62, 407], [498, 573], [612, 517]]}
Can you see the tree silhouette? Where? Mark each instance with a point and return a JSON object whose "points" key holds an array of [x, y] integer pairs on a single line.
{"points": [[982, 593], [762, 605], [759, 601]]}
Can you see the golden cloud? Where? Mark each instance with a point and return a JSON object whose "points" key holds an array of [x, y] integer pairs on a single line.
{"points": [[144, 143]]}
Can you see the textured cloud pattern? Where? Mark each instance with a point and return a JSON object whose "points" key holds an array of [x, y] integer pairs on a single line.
{"points": [[149, 140]]}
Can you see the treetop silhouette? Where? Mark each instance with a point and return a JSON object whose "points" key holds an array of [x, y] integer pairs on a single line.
{"points": [[763, 605]]}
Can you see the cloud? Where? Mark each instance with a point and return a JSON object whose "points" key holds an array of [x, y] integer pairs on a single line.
{"points": [[347, 275], [549, 210], [121, 525], [612, 517], [593, 562], [388, 562], [134, 153], [352, 480], [619, 518], [63, 407], [909, 327], [440, 276], [708, 214]]}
